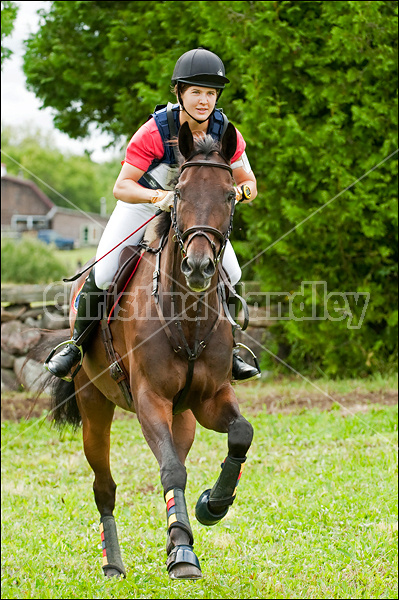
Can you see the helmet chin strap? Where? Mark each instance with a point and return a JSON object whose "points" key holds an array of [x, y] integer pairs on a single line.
{"points": [[193, 118]]}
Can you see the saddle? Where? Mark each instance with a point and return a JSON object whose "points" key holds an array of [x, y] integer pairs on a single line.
{"points": [[129, 259]]}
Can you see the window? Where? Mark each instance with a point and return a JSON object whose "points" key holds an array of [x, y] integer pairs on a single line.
{"points": [[28, 222]]}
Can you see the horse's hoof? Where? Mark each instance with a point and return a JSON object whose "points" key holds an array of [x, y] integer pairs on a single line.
{"points": [[204, 514], [185, 572], [182, 563], [111, 572]]}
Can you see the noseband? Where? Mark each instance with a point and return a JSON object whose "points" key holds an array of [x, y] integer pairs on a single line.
{"points": [[202, 230]]}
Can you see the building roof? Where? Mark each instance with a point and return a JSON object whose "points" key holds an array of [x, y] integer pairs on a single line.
{"points": [[62, 210], [30, 184]]}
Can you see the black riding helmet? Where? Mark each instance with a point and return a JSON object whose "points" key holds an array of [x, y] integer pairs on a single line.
{"points": [[199, 67]]}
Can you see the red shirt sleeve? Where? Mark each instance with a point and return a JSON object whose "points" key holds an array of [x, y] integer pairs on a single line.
{"points": [[241, 145], [145, 146]]}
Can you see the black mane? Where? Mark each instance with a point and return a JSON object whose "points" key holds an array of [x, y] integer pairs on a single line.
{"points": [[205, 145], [163, 225]]}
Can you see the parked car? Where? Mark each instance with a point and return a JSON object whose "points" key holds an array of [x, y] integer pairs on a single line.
{"points": [[48, 236]]}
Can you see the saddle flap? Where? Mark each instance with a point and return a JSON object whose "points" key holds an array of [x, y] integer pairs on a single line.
{"points": [[128, 260]]}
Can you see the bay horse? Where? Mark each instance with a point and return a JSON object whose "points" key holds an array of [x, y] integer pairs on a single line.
{"points": [[176, 347]]}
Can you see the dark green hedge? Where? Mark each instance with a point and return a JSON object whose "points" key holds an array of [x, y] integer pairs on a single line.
{"points": [[323, 118]]}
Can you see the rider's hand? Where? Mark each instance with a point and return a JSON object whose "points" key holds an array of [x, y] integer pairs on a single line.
{"points": [[238, 195], [163, 200]]}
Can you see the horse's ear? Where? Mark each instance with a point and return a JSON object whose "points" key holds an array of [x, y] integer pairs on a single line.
{"points": [[186, 140], [229, 142]]}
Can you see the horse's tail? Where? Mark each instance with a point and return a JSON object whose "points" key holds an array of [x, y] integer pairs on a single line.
{"points": [[64, 408]]}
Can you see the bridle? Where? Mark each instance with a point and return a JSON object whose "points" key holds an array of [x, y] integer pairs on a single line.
{"points": [[201, 230]]}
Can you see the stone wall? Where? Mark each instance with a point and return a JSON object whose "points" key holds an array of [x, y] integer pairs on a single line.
{"points": [[21, 323]]}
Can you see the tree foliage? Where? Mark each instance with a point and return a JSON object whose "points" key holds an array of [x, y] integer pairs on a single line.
{"points": [[9, 12], [314, 92], [68, 180]]}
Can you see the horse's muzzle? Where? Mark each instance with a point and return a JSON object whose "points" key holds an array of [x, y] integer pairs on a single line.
{"points": [[198, 272]]}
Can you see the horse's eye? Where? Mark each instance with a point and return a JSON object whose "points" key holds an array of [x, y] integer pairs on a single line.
{"points": [[177, 192]]}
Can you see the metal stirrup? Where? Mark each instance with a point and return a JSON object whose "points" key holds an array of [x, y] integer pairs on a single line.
{"points": [[239, 345]]}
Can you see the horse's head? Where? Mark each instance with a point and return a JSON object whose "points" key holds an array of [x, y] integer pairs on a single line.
{"points": [[204, 204]]}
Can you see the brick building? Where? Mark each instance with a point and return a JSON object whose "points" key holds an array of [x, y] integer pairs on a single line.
{"points": [[24, 207]]}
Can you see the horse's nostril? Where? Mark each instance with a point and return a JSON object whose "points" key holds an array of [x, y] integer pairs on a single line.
{"points": [[208, 267], [187, 266], [197, 272]]}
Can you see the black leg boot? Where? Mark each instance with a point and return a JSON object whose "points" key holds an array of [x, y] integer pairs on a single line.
{"points": [[241, 371], [89, 313]]}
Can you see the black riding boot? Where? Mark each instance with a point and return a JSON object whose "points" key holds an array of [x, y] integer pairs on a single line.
{"points": [[241, 371], [88, 314]]}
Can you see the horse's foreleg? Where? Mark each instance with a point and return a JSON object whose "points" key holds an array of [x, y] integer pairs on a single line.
{"points": [[97, 413], [170, 439], [183, 432], [214, 504], [222, 414]]}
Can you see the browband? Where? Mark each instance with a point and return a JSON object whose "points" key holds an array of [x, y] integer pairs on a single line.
{"points": [[206, 163]]}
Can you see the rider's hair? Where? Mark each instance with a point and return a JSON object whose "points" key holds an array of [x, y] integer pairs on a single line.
{"points": [[182, 88]]}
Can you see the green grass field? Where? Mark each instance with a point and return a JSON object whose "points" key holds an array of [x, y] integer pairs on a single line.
{"points": [[315, 515]]}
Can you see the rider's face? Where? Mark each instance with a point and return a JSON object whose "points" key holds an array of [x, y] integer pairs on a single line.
{"points": [[199, 101]]}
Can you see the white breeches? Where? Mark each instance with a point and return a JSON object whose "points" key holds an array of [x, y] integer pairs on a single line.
{"points": [[127, 218]]}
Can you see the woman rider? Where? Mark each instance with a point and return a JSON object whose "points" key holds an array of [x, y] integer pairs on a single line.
{"points": [[142, 188]]}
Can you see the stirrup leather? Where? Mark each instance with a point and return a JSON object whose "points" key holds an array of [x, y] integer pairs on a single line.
{"points": [[54, 350]]}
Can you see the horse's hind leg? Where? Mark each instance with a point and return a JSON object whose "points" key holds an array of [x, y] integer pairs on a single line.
{"points": [[97, 413], [222, 414]]}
